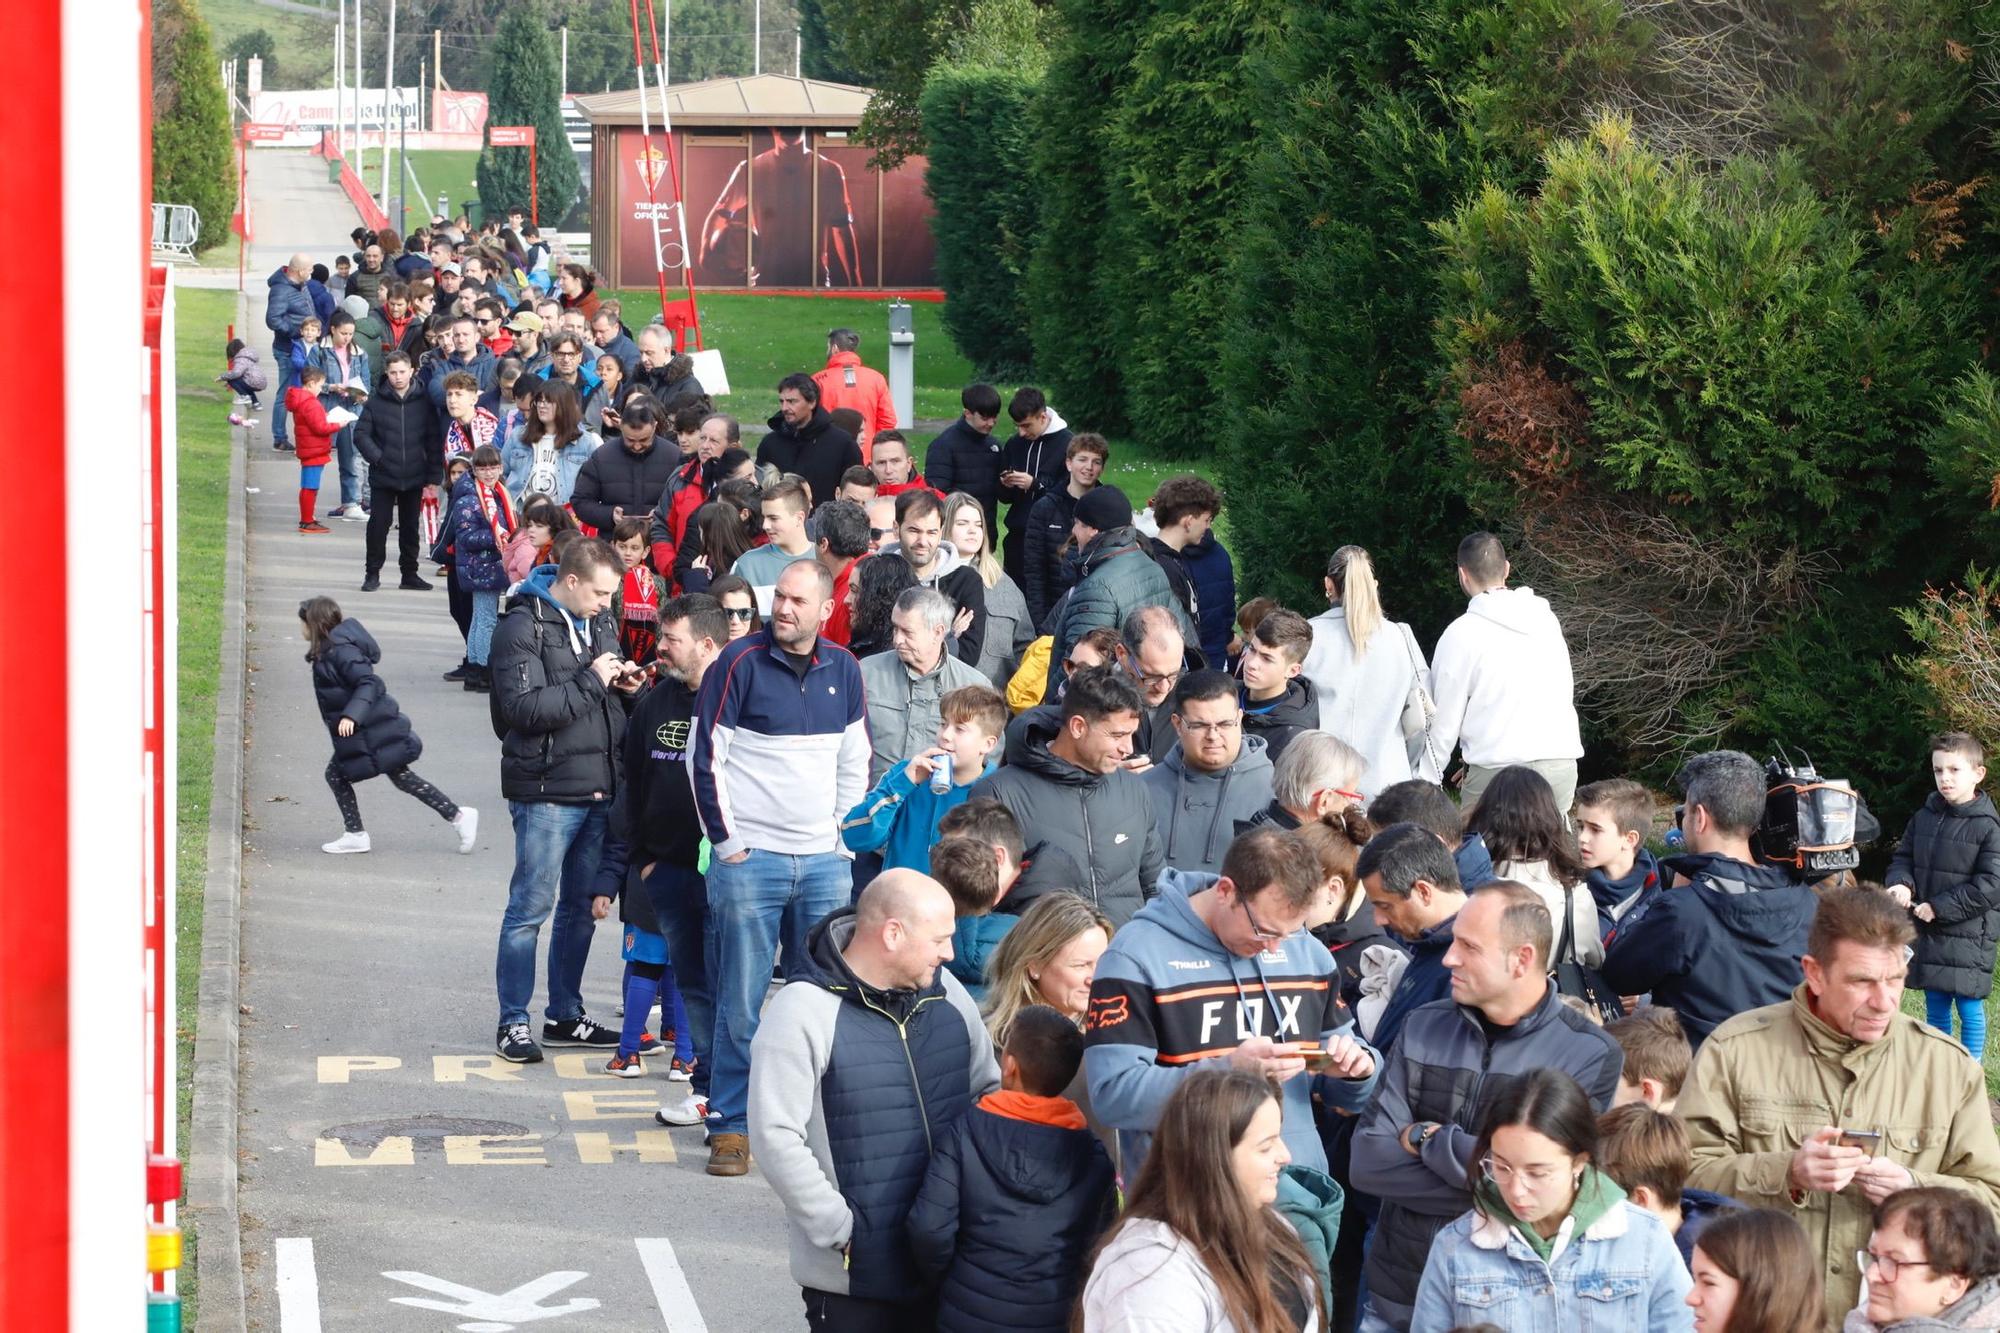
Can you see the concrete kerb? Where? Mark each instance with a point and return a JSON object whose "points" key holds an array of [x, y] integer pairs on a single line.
{"points": [[212, 1167]]}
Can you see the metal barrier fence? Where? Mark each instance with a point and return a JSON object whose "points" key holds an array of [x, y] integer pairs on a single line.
{"points": [[176, 227]]}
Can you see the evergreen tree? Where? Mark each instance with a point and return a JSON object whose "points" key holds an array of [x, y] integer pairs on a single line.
{"points": [[821, 56], [193, 151], [1081, 337], [524, 92]]}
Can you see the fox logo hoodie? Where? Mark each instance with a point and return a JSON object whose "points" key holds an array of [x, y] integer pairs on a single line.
{"points": [[1168, 995]]}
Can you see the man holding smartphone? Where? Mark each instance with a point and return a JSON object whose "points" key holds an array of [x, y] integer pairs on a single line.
{"points": [[1221, 967], [1827, 1104]]}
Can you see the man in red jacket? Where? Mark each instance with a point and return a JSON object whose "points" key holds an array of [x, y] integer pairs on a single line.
{"points": [[847, 383]]}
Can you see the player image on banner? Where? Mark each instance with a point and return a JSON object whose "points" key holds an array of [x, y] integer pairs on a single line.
{"points": [[771, 201]]}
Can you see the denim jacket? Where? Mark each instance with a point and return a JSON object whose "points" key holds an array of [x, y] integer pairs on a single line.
{"points": [[1622, 1276]]}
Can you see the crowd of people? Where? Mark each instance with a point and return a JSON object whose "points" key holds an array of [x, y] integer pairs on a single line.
{"points": [[1139, 970]]}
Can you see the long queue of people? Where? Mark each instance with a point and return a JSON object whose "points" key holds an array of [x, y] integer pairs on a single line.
{"points": [[1139, 972]]}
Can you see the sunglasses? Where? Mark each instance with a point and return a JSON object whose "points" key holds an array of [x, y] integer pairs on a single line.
{"points": [[880, 532], [739, 612]]}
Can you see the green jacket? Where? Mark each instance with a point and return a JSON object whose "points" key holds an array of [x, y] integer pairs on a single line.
{"points": [[1118, 577], [1311, 1200], [1768, 1078]]}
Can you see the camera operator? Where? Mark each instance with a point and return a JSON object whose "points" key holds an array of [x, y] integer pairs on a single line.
{"points": [[1723, 934]]}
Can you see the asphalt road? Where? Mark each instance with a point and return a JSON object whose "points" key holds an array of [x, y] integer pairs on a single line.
{"points": [[395, 1175]]}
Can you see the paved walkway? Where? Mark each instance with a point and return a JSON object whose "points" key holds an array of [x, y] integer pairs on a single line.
{"points": [[387, 1156]]}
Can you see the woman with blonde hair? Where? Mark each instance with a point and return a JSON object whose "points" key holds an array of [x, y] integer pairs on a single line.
{"points": [[1049, 957], [1369, 675], [1009, 629]]}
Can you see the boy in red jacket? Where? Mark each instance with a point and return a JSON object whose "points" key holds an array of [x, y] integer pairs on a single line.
{"points": [[313, 437]]}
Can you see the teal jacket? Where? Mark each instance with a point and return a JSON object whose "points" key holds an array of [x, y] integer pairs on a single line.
{"points": [[1311, 1201], [899, 819], [972, 943]]}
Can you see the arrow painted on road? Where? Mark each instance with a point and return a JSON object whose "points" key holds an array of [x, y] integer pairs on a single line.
{"points": [[498, 1311]]}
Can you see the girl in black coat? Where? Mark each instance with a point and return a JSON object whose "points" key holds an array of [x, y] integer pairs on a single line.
{"points": [[371, 737]]}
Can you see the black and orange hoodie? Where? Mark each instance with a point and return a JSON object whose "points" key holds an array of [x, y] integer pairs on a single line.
{"points": [[1168, 995]]}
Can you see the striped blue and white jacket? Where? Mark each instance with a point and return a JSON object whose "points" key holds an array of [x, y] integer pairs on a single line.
{"points": [[778, 757]]}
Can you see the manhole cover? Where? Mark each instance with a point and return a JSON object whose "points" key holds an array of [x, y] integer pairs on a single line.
{"points": [[419, 1128]]}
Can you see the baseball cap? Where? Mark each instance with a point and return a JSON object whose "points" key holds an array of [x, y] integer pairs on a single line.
{"points": [[526, 322]]}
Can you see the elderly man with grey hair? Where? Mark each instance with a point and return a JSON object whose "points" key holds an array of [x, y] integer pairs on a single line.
{"points": [[287, 306], [1722, 934], [1316, 778], [905, 684]]}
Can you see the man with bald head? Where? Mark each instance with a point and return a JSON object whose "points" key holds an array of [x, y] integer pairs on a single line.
{"points": [[779, 754], [865, 1059], [287, 305]]}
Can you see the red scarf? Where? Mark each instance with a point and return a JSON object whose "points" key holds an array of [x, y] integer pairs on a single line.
{"points": [[642, 595], [498, 509]]}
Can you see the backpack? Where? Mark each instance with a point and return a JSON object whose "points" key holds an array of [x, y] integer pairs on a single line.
{"points": [[1812, 825]]}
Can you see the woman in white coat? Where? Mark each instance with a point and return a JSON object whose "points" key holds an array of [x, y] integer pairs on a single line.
{"points": [[1369, 676]]}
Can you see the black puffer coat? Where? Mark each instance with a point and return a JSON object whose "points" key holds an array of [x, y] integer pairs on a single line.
{"points": [[560, 726], [615, 477], [345, 684], [398, 434], [1006, 1215], [1950, 858]]}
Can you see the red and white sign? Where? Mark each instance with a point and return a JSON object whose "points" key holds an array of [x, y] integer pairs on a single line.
{"points": [[254, 132], [458, 113], [323, 108], [513, 136]]}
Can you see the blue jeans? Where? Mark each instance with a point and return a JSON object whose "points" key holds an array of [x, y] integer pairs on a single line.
{"points": [[287, 377], [485, 619], [351, 465], [555, 863], [1971, 1019], [680, 903], [767, 898]]}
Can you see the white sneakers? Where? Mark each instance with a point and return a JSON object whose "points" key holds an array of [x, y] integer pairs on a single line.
{"points": [[679, 1107], [467, 825]]}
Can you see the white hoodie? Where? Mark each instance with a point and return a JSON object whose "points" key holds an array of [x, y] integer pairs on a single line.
{"points": [[1502, 683]]}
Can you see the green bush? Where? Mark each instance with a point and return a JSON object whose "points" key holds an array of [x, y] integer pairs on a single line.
{"points": [[1179, 145], [1079, 332], [979, 175], [194, 159], [525, 91]]}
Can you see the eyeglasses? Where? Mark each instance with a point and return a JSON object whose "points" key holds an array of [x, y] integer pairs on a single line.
{"points": [[878, 533], [1342, 791], [1502, 1174], [1149, 678], [1219, 728], [1887, 1265], [1256, 927], [739, 612]]}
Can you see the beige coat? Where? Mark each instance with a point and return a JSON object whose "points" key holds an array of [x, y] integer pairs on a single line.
{"points": [[1766, 1079]]}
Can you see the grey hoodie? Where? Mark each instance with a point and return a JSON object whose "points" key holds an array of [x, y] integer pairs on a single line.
{"points": [[1196, 812]]}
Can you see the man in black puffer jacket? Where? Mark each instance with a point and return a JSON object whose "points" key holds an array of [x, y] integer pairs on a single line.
{"points": [[863, 1064], [624, 476], [965, 456], [558, 705], [1948, 866], [804, 440], [398, 435]]}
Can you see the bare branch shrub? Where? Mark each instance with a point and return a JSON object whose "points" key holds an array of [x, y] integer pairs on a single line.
{"points": [[1958, 652], [1652, 611]]}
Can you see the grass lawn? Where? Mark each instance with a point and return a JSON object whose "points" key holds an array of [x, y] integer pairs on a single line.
{"points": [[764, 338], [201, 318], [438, 171], [304, 48]]}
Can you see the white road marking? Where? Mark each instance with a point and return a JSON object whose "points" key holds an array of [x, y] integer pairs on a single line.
{"points": [[522, 1305], [298, 1286], [670, 1287]]}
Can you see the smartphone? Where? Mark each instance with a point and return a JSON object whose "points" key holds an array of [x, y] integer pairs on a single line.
{"points": [[1868, 1140], [1317, 1061]]}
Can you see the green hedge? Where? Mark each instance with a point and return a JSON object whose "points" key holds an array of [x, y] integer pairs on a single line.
{"points": [[980, 175], [193, 146]]}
